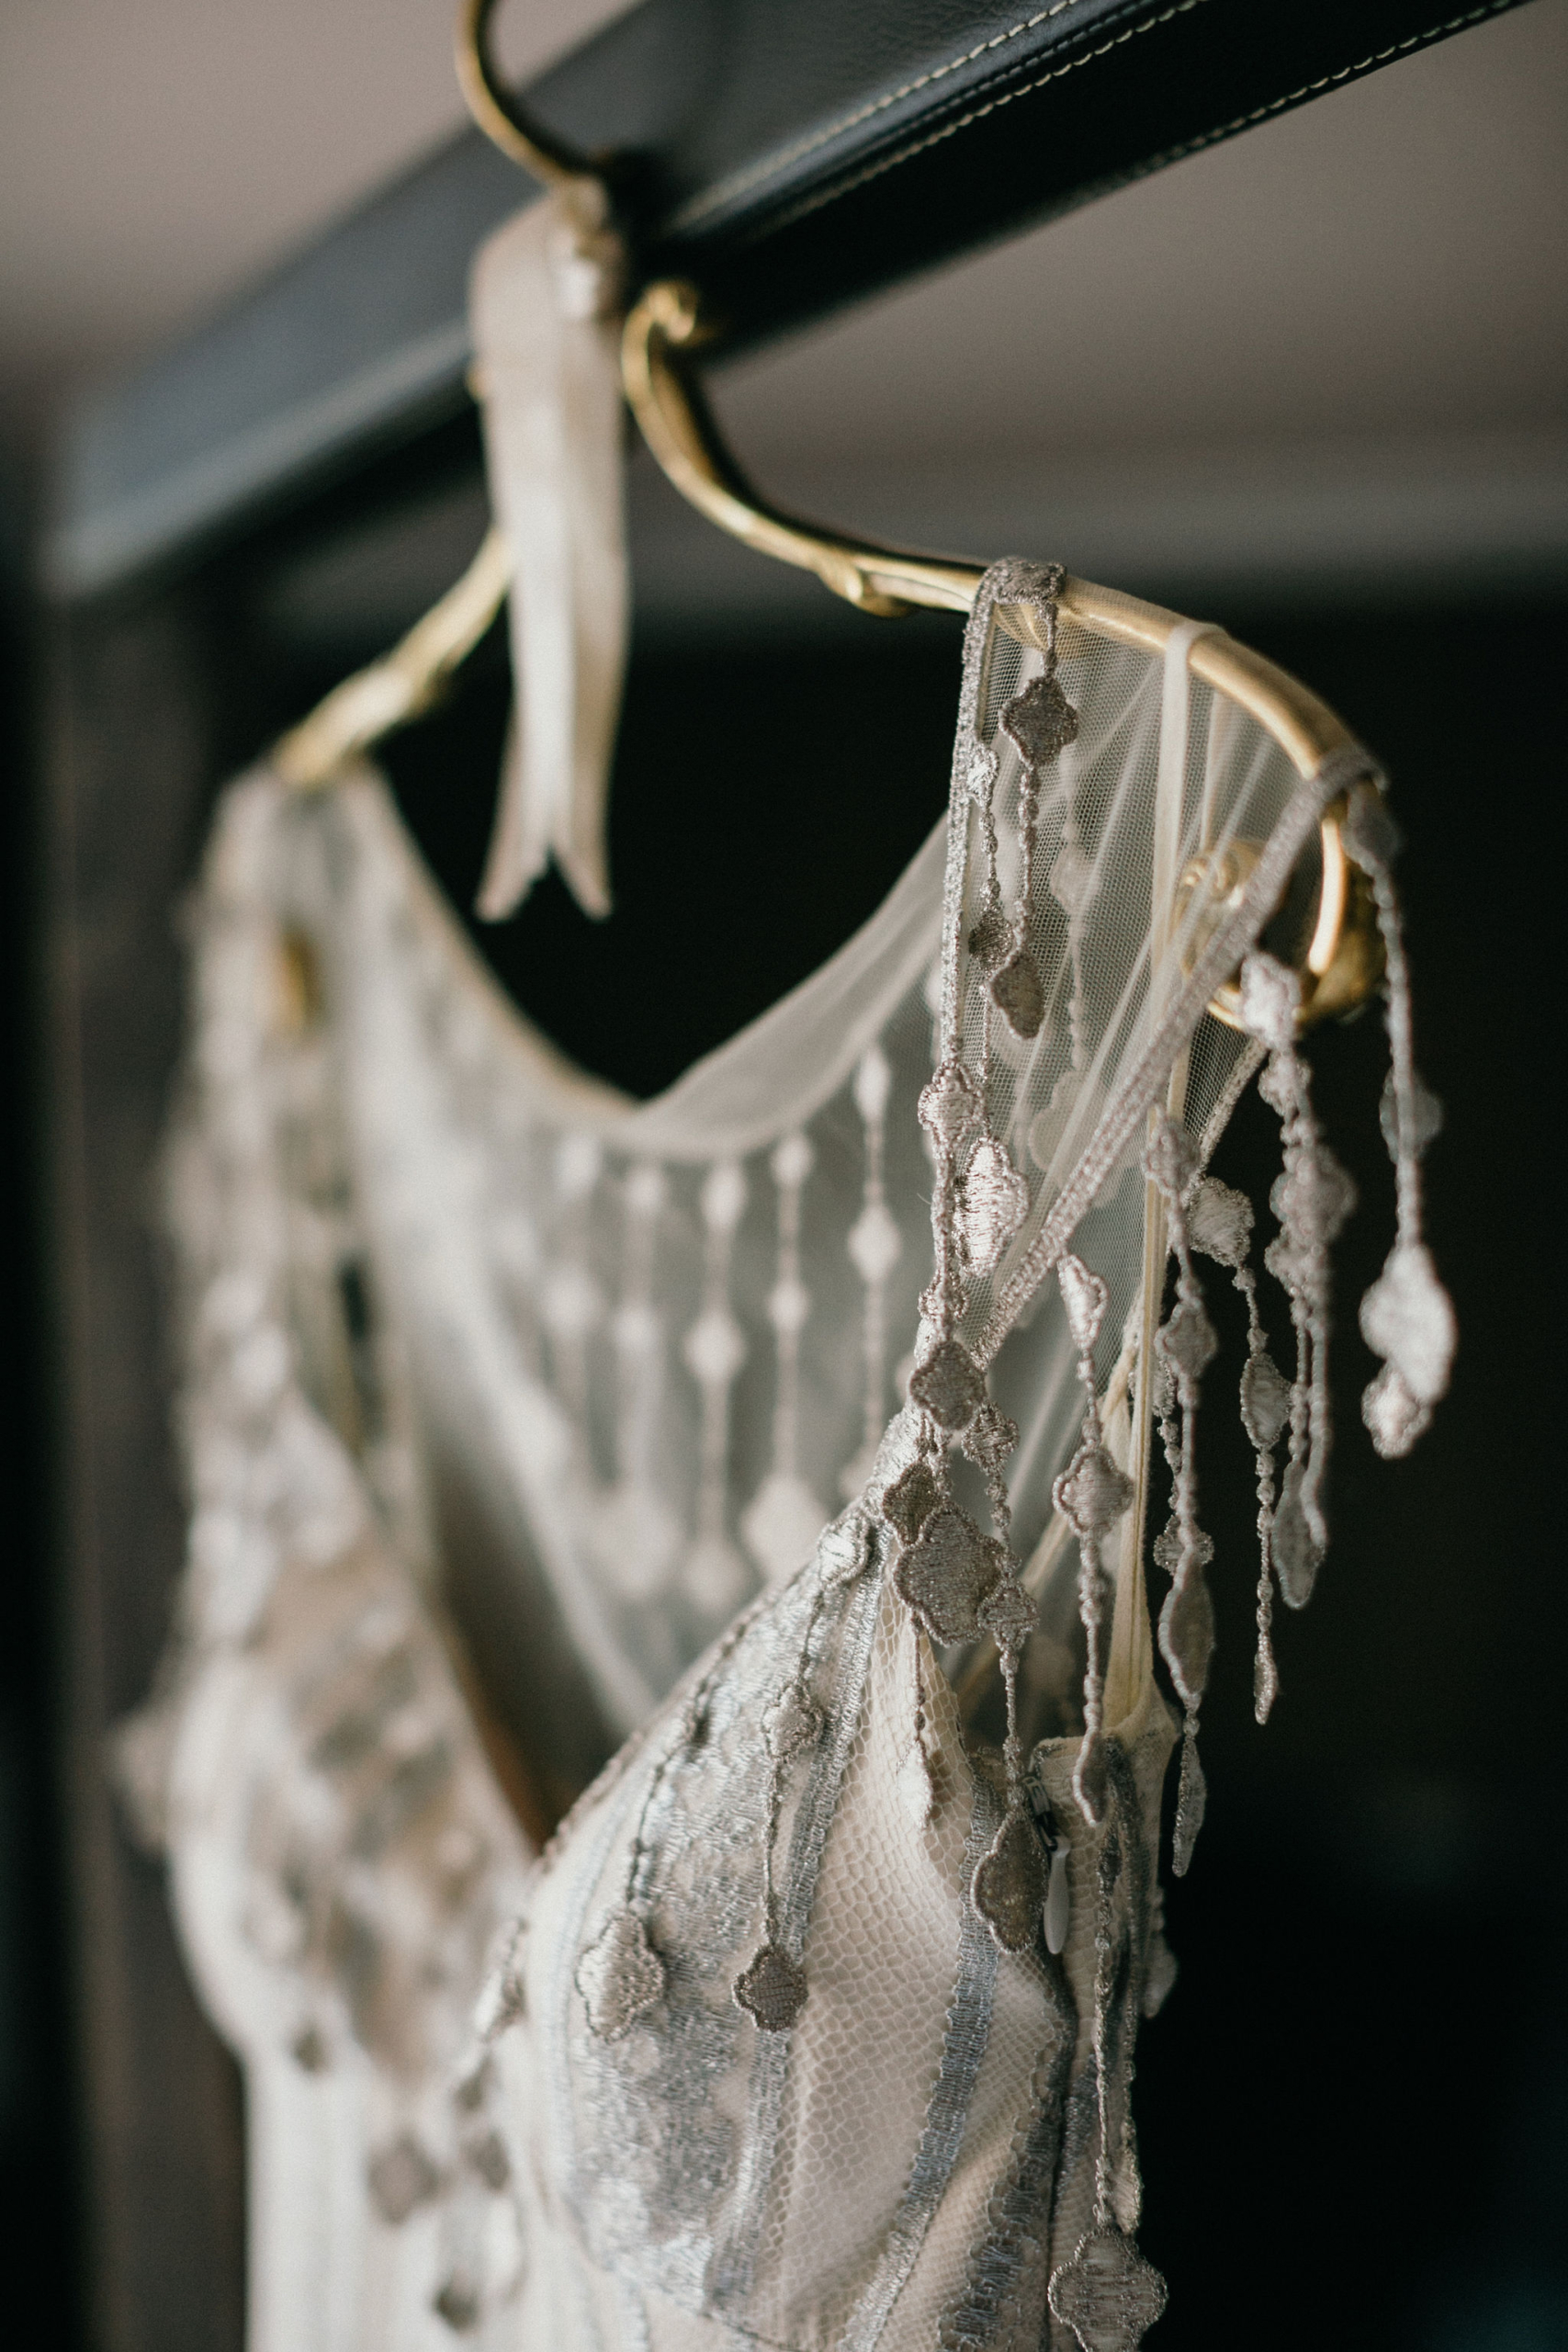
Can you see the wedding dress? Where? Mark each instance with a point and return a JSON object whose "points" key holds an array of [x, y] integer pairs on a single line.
{"points": [[812, 2026]]}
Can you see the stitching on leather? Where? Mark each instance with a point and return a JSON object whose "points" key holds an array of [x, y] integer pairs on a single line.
{"points": [[1324, 82], [825, 197], [1167, 155], [729, 189]]}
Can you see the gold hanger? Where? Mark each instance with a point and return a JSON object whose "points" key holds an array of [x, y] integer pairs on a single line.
{"points": [[403, 684], [665, 329], [498, 115]]}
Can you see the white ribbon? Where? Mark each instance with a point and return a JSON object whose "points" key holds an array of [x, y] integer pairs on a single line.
{"points": [[544, 309]]}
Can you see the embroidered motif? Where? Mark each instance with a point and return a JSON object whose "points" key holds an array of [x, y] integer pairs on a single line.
{"points": [[1041, 720], [620, 1976], [1010, 1884], [1019, 992], [772, 1989], [1108, 2294], [947, 1572], [949, 1385], [403, 2178], [910, 1501], [995, 1200]]}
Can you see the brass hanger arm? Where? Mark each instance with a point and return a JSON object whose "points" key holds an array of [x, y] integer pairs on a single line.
{"points": [[665, 397], [403, 683], [661, 385], [661, 389], [666, 326]]}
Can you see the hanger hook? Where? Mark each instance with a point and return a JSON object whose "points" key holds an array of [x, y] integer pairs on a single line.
{"points": [[498, 114]]}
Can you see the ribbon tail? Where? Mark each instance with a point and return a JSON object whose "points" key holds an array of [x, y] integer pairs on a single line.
{"points": [[519, 842], [549, 370]]}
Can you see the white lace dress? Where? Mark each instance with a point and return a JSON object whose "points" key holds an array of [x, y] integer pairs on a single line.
{"points": [[532, 1432]]}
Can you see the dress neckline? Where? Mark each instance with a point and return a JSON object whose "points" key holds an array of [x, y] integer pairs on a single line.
{"points": [[772, 1076]]}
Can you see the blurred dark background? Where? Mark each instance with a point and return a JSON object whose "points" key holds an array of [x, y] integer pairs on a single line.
{"points": [[1311, 385]]}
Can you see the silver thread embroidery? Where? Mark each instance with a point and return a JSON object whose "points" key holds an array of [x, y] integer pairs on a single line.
{"points": [[1040, 721], [772, 1987], [620, 1976], [1185, 1346], [1092, 1493], [1312, 1200], [957, 1580], [1106, 2292], [1219, 1223]]}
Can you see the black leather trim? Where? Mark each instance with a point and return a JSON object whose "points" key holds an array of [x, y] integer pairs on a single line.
{"points": [[791, 155], [1055, 113]]}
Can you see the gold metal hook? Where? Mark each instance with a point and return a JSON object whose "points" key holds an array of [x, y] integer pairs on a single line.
{"points": [[498, 114]]}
